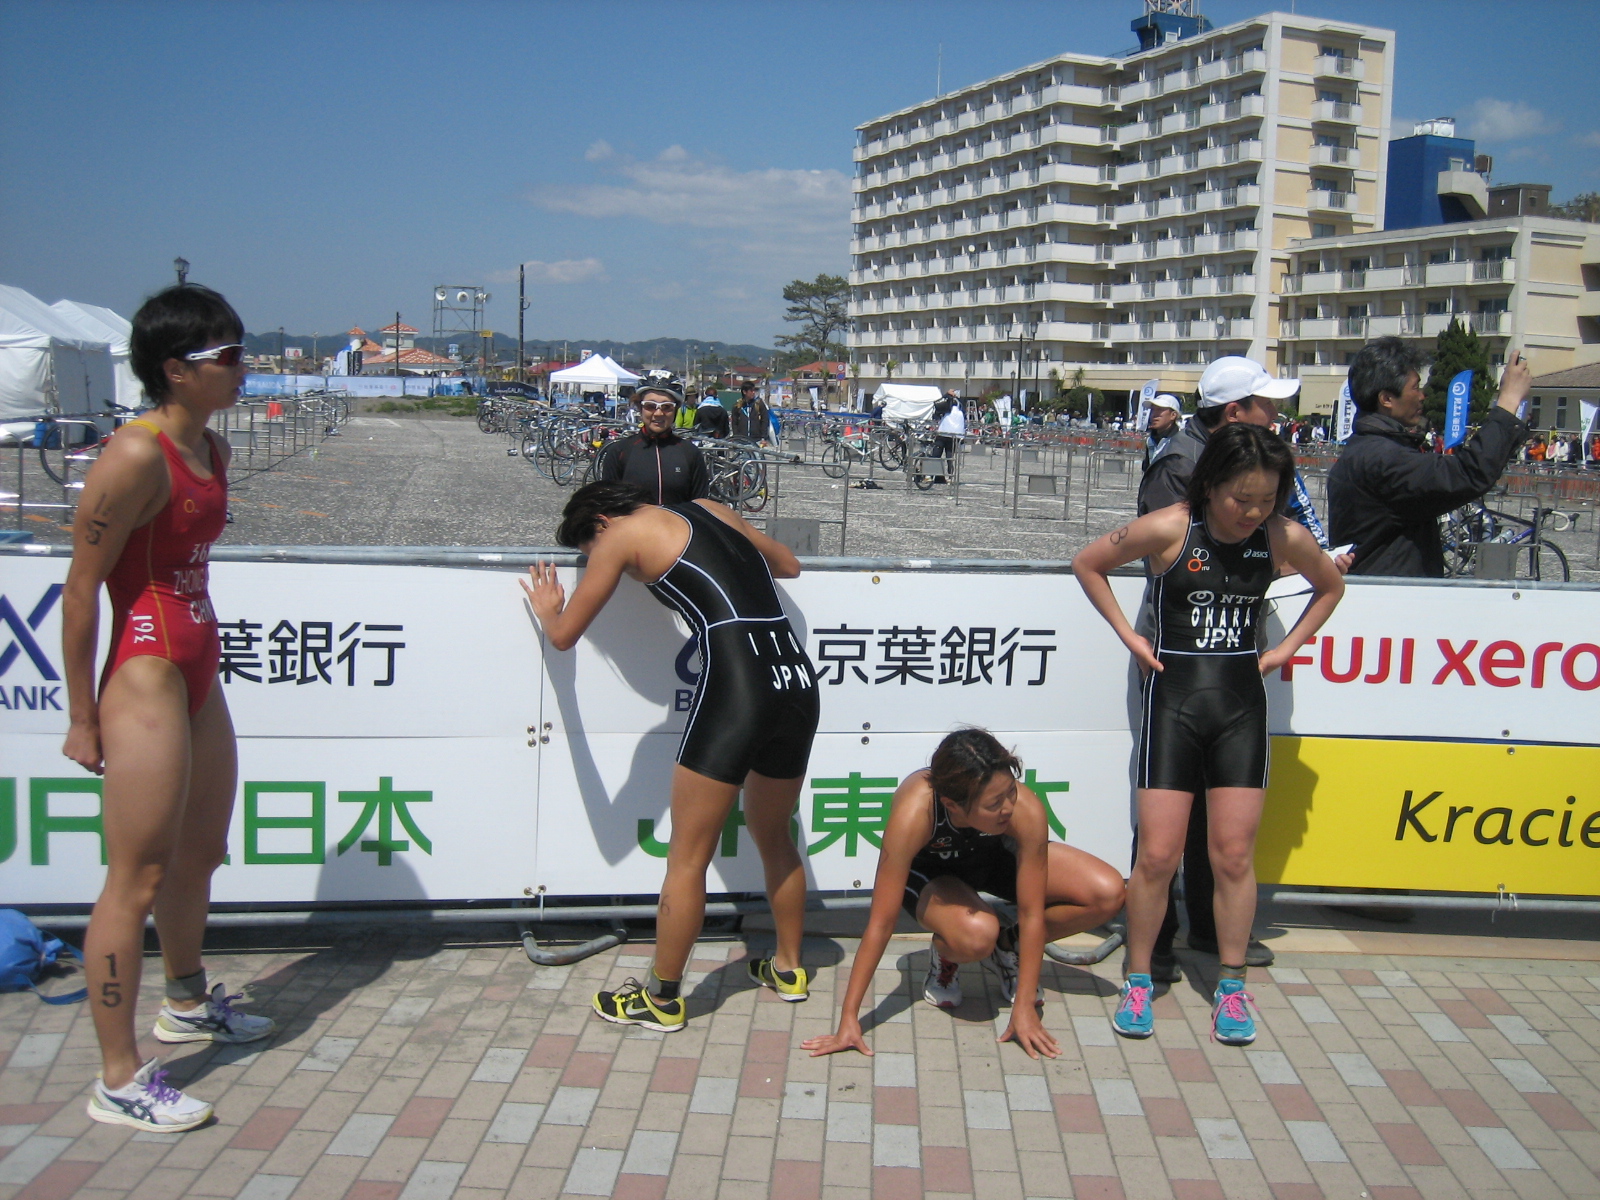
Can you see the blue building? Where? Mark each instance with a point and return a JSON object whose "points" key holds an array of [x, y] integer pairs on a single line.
{"points": [[1415, 197]]}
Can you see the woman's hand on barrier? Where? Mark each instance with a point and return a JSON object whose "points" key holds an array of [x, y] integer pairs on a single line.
{"points": [[545, 594], [1144, 655], [849, 1037], [83, 747], [1029, 1032]]}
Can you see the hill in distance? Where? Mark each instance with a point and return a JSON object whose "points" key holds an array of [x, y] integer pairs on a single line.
{"points": [[657, 352]]}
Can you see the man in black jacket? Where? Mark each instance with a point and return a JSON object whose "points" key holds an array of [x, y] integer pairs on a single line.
{"points": [[1387, 492], [752, 420], [668, 469]]}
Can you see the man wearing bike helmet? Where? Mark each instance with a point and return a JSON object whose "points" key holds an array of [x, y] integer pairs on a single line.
{"points": [[668, 469]]}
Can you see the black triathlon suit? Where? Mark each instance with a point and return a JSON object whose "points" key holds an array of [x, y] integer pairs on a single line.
{"points": [[1204, 722], [985, 861], [756, 706]]}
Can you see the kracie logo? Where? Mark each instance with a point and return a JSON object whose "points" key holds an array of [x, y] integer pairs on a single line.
{"points": [[24, 641], [1500, 664]]}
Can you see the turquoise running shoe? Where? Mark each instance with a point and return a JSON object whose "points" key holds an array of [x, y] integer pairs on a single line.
{"points": [[1231, 1022], [1133, 1017]]}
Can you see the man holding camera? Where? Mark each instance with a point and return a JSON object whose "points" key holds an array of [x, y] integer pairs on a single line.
{"points": [[1387, 492]]}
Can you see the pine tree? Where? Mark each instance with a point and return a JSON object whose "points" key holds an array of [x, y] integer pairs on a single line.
{"points": [[1459, 348]]}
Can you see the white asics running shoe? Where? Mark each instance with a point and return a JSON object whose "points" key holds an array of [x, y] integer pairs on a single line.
{"points": [[214, 1021], [148, 1102], [1004, 964], [942, 988]]}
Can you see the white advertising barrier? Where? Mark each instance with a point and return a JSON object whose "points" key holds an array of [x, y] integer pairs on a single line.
{"points": [[401, 737]]}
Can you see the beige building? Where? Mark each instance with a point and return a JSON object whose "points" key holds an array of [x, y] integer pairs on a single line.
{"points": [[1519, 281], [1556, 401], [1130, 215]]}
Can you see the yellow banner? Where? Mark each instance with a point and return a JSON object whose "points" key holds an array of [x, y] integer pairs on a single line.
{"points": [[1435, 816]]}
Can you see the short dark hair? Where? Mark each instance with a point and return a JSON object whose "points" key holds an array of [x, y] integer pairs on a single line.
{"points": [[749, 385], [176, 321], [1382, 366], [1211, 416], [580, 519], [963, 763], [1233, 450]]}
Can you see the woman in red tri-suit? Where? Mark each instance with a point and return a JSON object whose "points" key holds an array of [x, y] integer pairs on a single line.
{"points": [[158, 729]]}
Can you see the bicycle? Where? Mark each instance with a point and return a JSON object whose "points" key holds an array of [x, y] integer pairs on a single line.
{"points": [[1463, 530], [65, 455], [841, 447]]}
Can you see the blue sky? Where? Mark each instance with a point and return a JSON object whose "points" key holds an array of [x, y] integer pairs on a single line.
{"points": [[666, 168]]}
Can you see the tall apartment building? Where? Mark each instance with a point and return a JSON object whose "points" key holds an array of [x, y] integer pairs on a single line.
{"points": [[1127, 214]]}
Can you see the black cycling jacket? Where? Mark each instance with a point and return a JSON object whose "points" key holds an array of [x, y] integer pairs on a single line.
{"points": [[669, 469]]}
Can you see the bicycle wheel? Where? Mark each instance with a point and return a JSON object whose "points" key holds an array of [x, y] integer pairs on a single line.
{"points": [[753, 485], [67, 465], [1546, 561], [1458, 531], [485, 418], [833, 461], [892, 451]]}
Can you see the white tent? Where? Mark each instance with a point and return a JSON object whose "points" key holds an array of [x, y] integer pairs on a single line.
{"points": [[596, 371], [47, 364], [115, 329], [907, 401]]}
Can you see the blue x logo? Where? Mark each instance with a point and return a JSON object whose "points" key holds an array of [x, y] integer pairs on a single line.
{"points": [[22, 633]]}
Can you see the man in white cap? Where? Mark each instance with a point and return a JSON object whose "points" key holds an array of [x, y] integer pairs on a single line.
{"points": [[1231, 389], [1160, 418]]}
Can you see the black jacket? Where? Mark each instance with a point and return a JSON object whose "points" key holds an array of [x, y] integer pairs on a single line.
{"points": [[669, 469], [1166, 479], [711, 419], [753, 421], [1386, 493]]}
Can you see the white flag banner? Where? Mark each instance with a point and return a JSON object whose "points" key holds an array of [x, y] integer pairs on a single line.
{"points": [[1344, 415], [1146, 394]]}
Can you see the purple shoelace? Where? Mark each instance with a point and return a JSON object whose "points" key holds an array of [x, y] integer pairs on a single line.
{"points": [[160, 1090]]}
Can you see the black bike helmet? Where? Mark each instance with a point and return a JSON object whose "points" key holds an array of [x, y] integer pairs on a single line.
{"points": [[665, 382]]}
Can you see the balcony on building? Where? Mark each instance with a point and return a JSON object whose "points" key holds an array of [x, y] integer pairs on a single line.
{"points": [[1339, 66], [1327, 200], [1336, 110], [1335, 156]]}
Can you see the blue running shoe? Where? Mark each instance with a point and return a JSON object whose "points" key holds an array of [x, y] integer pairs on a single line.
{"points": [[1133, 1017], [1231, 1022]]}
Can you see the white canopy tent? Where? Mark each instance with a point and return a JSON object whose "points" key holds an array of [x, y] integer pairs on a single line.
{"points": [[115, 329], [907, 401], [596, 371], [48, 364]]}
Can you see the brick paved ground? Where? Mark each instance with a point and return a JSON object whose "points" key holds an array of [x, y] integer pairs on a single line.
{"points": [[413, 1069]]}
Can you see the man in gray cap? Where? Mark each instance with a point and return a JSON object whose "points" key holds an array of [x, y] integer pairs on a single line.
{"points": [[1160, 417]]}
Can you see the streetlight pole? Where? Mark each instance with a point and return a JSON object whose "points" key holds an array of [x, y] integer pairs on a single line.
{"points": [[522, 307], [283, 358], [397, 344]]}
